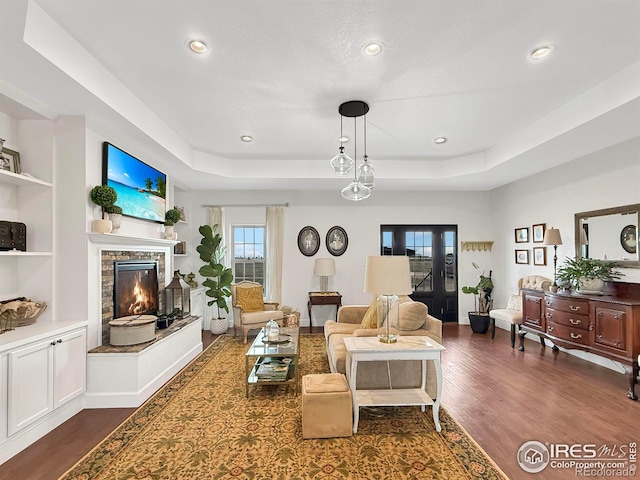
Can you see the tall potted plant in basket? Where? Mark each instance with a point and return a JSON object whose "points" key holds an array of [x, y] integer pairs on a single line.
{"points": [[479, 318], [218, 277]]}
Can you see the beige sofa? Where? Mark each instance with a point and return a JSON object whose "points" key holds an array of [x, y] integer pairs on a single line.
{"points": [[375, 375]]}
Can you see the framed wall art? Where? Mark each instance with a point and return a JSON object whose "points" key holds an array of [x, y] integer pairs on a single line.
{"points": [[537, 232], [522, 257], [336, 241], [308, 241], [10, 160], [539, 256], [522, 235]]}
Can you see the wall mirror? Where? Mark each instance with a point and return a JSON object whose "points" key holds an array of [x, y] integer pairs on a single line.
{"points": [[609, 234]]}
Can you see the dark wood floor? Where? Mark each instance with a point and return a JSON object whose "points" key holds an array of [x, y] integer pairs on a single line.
{"points": [[501, 396]]}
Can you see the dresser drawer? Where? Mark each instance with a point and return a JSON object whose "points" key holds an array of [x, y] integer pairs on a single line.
{"points": [[571, 305], [569, 319], [571, 334]]}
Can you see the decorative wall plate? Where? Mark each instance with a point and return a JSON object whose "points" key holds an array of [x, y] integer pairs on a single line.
{"points": [[629, 238], [337, 241], [308, 241]]}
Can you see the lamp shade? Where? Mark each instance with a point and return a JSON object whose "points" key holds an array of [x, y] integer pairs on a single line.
{"points": [[387, 275], [552, 237], [324, 267]]}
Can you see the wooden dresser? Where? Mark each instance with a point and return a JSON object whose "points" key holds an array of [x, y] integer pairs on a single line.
{"points": [[607, 325]]}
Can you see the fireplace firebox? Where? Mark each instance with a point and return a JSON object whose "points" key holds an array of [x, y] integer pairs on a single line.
{"points": [[135, 289]]}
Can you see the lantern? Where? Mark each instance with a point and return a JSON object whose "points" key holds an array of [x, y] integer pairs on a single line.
{"points": [[177, 298]]}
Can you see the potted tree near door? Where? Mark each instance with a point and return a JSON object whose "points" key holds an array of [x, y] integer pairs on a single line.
{"points": [[218, 277], [479, 318]]}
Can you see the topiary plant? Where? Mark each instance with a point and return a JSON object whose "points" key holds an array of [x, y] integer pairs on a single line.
{"points": [[171, 217], [103, 195], [115, 209]]}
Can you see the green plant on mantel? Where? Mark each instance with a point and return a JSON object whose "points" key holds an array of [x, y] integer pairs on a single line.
{"points": [[113, 209], [103, 195], [576, 269], [172, 217]]}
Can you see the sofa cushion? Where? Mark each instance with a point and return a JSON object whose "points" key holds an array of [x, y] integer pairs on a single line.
{"points": [[250, 299], [412, 316], [370, 319], [515, 303]]}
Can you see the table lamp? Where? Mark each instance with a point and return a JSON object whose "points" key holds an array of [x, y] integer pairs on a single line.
{"points": [[387, 277], [552, 237], [324, 268]]}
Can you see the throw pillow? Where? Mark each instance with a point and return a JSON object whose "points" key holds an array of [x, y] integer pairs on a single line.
{"points": [[515, 303], [370, 319], [250, 299], [412, 316]]}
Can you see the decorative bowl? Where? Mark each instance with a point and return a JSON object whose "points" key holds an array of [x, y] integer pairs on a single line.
{"points": [[20, 312]]}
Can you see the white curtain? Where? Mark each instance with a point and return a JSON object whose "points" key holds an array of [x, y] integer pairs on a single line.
{"points": [[215, 218], [274, 233]]}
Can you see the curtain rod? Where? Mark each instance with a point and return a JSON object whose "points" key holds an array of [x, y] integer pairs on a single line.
{"points": [[251, 205]]}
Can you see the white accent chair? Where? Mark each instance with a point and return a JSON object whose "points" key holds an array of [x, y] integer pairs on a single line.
{"points": [[255, 319], [512, 313]]}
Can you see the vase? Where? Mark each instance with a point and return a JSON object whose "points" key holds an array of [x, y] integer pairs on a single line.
{"points": [[591, 285], [218, 326], [103, 225], [168, 232], [115, 218], [479, 322]]}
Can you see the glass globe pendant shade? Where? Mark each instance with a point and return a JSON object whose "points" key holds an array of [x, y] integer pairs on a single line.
{"points": [[366, 174], [355, 191], [341, 163]]}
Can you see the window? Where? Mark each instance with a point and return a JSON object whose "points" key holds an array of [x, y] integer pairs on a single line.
{"points": [[248, 253]]}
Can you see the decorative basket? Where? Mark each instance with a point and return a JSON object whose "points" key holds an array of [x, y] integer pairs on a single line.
{"points": [[19, 312]]}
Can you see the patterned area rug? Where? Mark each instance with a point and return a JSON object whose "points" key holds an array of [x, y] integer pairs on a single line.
{"points": [[201, 426]]}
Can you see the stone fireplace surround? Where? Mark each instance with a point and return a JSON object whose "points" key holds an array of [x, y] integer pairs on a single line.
{"points": [[107, 259]]}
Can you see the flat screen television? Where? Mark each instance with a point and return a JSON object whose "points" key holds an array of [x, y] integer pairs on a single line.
{"points": [[141, 189]]}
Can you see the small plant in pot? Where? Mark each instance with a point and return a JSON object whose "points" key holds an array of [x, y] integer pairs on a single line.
{"points": [[218, 277], [115, 215], [479, 318], [170, 219], [103, 196], [587, 275]]}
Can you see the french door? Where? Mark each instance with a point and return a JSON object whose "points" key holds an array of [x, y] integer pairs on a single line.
{"points": [[433, 259]]}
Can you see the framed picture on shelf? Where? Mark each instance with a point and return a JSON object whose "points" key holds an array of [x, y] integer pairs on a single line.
{"points": [[182, 215], [522, 235], [10, 160], [308, 241], [336, 241], [522, 257], [537, 231], [539, 256]]}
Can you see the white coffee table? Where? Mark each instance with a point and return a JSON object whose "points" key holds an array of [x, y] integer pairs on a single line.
{"points": [[367, 349]]}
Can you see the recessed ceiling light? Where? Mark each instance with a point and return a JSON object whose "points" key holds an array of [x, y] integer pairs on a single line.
{"points": [[542, 51], [440, 140], [246, 138], [198, 46], [344, 139], [372, 48]]}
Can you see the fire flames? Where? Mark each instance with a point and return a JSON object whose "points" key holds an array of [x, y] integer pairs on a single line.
{"points": [[141, 302]]}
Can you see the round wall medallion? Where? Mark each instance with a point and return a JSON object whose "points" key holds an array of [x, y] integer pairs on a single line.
{"points": [[336, 241], [308, 241]]}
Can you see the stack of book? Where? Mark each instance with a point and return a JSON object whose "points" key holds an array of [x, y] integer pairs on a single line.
{"points": [[273, 371]]}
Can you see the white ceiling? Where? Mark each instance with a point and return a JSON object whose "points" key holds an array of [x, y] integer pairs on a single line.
{"points": [[278, 70]]}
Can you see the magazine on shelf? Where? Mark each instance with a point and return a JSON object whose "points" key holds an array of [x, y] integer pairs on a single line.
{"points": [[272, 370]]}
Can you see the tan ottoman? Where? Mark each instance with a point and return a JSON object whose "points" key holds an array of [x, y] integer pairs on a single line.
{"points": [[326, 406]]}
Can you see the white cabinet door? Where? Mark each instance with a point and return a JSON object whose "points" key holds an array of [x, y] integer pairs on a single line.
{"points": [[30, 384], [69, 367]]}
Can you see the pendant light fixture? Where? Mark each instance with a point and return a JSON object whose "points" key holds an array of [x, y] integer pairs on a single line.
{"points": [[342, 162], [365, 170], [356, 190]]}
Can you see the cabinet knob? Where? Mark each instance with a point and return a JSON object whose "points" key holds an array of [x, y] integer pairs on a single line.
{"points": [[59, 340], [53, 344], [550, 329], [548, 302]]}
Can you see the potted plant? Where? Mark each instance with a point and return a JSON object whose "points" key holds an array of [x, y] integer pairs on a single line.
{"points": [[115, 215], [587, 275], [218, 277], [170, 219], [479, 318], [103, 196]]}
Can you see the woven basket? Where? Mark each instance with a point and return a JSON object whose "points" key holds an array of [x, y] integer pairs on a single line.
{"points": [[20, 312]]}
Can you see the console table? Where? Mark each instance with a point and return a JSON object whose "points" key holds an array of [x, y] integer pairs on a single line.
{"points": [[367, 349], [323, 298], [607, 325]]}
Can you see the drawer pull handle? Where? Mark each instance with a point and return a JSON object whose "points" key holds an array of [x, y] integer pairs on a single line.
{"points": [[574, 309], [548, 302], [550, 329], [573, 335], [575, 322]]}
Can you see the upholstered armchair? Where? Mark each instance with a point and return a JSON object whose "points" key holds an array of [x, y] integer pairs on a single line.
{"points": [[512, 313], [250, 310]]}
